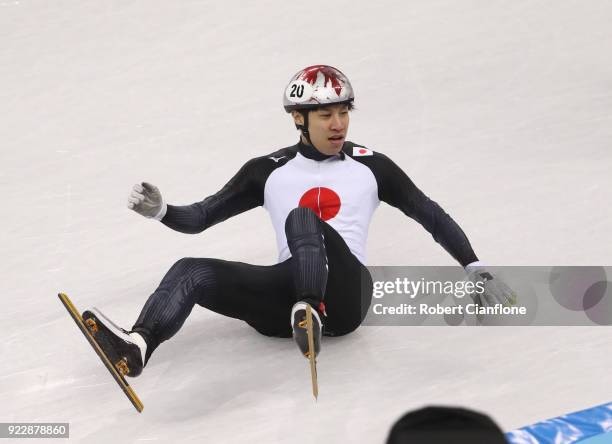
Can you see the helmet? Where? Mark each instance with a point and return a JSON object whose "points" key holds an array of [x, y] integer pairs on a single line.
{"points": [[315, 86]]}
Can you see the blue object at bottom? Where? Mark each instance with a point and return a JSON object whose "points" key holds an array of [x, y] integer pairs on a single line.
{"points": [[599, 439], [591, 426]]}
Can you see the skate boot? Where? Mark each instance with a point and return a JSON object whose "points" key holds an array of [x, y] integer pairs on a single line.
{"points": [[300, 330], [120, 347]]}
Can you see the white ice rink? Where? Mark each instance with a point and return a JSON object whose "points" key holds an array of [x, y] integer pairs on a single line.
{"points": [[501, 111]]}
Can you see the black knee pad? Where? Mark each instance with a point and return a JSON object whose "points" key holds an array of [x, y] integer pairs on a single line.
{"points": [[303, 230], [301, 221], [307, 245]]}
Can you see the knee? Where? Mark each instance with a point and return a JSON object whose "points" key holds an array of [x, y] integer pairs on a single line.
{"points": [[190, 274], [183, 265], [301, 220], [190, 268]]}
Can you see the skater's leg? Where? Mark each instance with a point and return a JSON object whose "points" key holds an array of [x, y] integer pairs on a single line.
{"points": [[306, 242], [325, 270], [259, 295], [349, 286]]}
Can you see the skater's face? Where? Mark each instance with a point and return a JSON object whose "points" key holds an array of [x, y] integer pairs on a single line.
{"points": [[327, 127]]}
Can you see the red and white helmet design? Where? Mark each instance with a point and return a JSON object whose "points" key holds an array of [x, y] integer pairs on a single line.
{"points": [[315, 86]]}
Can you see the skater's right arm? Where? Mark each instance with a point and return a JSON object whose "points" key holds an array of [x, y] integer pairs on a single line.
{"points": [[243, 192]]}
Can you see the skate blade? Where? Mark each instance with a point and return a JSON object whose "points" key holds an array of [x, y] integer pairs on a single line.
{"points": [[311, 353], [85, 330]]}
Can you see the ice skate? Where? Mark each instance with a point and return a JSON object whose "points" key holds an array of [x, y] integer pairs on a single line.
{"points": [[300, 330], [89, 329], [117, 344], [307, 334]]}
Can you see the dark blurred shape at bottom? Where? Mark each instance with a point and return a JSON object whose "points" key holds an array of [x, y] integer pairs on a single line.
{"points": [[445, 425]]}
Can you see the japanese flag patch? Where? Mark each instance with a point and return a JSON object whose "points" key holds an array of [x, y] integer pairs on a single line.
{"points": [[361, 151]]}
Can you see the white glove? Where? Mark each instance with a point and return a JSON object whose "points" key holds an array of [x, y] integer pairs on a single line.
{"points": [[146, 199]]}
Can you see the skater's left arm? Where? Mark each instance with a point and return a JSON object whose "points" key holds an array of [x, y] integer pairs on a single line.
{"points": [[396, 188]]}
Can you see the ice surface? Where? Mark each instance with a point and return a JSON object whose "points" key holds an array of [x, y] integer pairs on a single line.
{"points": [[501, 111]]}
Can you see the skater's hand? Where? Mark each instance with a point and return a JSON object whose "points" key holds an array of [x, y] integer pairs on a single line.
{"points": [[495, 290], [146, 199]]}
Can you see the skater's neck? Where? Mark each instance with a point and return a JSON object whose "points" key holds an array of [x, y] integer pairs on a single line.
{"points": [[311, 152]]}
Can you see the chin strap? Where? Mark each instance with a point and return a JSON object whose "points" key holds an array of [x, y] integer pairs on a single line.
{"points": [[304, 127]]}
